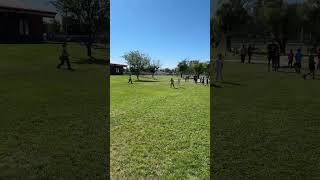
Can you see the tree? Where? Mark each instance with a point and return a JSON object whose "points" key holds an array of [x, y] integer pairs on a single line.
{"points": [[91, 15], [312, 20], [197, 67], [154, 67], [137, 62], [281, 20], [183, 67], [206, 68], [167, 70], [231, 17]]}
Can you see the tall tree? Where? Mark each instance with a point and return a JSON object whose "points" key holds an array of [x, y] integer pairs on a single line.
{"points": [[197, 67], [232, 15], [154, 67], [91, 15], [281, 20], [312, 20], [137, 62], [183, 67]]}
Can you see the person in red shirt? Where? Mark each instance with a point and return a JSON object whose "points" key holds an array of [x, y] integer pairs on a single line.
{"points": [[290, 58]]}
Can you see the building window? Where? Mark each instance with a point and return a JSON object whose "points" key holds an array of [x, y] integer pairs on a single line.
{"points": [[24, 27], [117, 70], [21, 30]]}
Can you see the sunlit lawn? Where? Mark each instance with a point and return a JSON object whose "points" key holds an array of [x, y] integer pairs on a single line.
{"points": [[266, 125], [158, 131], [52, 122]]}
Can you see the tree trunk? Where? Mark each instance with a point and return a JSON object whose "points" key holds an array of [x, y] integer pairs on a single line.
{"points": [[138, 76], [89, 46], [89, 51], [229, 43], [284, 46]]}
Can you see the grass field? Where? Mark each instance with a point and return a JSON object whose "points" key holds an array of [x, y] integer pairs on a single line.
{"points": [[266, 125], [52, 122], [157, 131]]}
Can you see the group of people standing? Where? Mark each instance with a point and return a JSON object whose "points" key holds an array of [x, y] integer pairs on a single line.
{"points": [[246, 52], [298, 57], [273, 53], [203, 80], [311, 62]]}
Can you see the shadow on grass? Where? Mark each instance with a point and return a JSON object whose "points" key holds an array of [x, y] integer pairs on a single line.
{"points": [[146, 81], [149, 77], [215, 85], [91, 61], [287, 72], [230, 83]]}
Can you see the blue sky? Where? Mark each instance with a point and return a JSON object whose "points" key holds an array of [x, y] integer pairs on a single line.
{"points": [[166, 30]]}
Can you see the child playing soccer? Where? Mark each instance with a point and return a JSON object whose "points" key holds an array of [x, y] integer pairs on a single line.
{"points": [[172, 83], [130, 80], [290, 58], [64, 57], [312, 66]]}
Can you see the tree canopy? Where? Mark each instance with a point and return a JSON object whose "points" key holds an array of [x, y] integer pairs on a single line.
{"points": [[92, 16], [137, 62]]}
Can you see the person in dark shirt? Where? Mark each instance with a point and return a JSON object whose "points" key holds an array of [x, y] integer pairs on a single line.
{"points": [[64, 58], [270, 54], [312, 66], [172, 83], [250, 52], [243, 52], [276, 59], [130, 80], [290, 58]]}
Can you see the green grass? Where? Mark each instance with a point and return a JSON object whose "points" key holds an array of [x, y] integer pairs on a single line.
{"points": [[268, 126], [52, 122], [157, 131]]}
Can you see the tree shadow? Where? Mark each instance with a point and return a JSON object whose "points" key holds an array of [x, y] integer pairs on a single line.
{"points": [[91, 61], [230, 83], [149, 77], [287, 72], [215, 85], [146, 81]]}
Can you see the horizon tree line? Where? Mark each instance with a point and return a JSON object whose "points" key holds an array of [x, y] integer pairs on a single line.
{"points": [[280, 20], [139, 62]]}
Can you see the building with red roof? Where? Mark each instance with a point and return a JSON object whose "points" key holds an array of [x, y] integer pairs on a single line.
{"points": [[21, 22]]}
